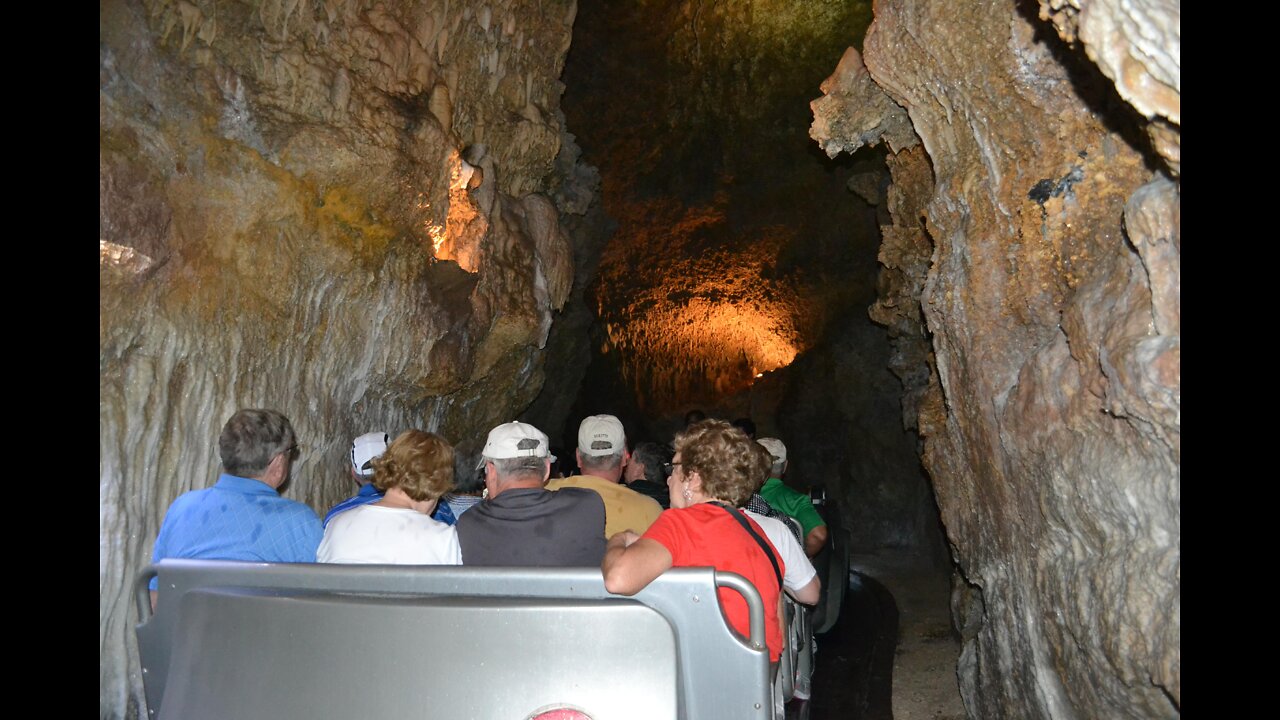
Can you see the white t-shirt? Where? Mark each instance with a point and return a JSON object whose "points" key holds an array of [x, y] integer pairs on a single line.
{"points": [[799, 570], [388, 536]]}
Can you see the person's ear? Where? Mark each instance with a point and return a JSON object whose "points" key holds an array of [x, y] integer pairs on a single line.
{"points": [[277, 469]]}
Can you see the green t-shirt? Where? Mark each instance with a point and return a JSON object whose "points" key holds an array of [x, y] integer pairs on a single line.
{"points": [[797, 505]]}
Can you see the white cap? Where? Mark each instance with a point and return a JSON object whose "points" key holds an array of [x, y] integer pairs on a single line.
{"points": [[364, 449], [513, 440], [601, 435], [775, 448]]}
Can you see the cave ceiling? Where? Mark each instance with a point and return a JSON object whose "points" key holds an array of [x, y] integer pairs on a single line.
{"points": [[737, 241]]}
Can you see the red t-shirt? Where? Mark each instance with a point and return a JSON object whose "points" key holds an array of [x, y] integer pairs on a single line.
{"points": [[705, 535]]}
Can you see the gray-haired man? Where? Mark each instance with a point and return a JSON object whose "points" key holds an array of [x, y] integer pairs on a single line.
{"points": [[520, 522], [243, 517], [602, 455]]}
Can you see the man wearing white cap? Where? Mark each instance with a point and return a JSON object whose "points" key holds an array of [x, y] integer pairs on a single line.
{"points": [[602, 455], [520, 522], [363, 450], [795, 504]]}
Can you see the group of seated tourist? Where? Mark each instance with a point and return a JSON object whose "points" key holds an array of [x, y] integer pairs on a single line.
{"points": [[410, 510]]}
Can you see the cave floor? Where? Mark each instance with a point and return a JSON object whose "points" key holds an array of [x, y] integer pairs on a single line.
{"points": [[893, 653], [924, 684]]}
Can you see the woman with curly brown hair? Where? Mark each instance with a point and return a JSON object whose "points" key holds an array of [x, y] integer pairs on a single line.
{"points": [[715, 470], [412, 474]]}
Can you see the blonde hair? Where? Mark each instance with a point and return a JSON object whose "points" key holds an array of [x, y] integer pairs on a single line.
{"points": [[418, 462]]}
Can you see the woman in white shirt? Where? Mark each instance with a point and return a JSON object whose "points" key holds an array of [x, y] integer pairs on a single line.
{"points": [[412, 474]]}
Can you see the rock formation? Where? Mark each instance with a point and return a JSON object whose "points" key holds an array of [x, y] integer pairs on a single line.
{"points": [[1031, 286], [347, 211]]}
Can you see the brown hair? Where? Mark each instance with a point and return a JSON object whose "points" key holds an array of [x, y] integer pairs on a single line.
{"points": [[419, 463], [722, 456], [763, 466]]}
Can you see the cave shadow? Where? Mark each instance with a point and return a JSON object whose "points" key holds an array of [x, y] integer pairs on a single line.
{"points": [[1094, 88], [853, 670]]}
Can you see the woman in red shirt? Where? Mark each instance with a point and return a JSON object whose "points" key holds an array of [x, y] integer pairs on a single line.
{"points": [[715, 470]]}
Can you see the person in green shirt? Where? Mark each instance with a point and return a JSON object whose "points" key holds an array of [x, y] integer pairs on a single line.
{"points": [[797, 505]]}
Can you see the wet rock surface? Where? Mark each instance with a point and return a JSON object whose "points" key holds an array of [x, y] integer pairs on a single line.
{"points": [[1049, 299], [350, 212]]}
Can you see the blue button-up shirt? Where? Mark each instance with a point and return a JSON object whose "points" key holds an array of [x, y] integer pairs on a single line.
{"points": [[238, 519]]}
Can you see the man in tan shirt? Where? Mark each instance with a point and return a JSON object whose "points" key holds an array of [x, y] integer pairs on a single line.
{"points": [[602, 455]]}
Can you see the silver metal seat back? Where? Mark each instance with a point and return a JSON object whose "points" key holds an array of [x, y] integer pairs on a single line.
{"points": [[252, 640]]}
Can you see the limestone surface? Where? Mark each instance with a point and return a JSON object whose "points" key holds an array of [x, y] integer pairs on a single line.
{"points": [[343, 210], [1050, 306]]}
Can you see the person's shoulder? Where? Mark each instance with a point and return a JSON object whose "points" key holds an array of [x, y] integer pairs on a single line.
{"points": [[582, 482], [572, 491], [352, 513], [340, 523], [189, 498], [579, 496], [301, 511], [790, 491], [764, 521], [642, 500], [692, 515], [349, 501], [774, 528], [431, 527]]}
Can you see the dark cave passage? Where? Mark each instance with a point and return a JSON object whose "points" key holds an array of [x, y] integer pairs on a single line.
{"points": [[739, 266], [740, 261]]}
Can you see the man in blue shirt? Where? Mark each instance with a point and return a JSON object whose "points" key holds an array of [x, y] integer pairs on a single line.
{"points": [[363, 450], [243, 517]]}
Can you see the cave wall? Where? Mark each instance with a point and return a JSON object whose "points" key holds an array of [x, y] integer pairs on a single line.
{"points": [[352, 212], [1035, 221], [842, 422]]}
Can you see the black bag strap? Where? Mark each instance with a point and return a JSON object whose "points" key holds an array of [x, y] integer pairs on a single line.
{"points": [[764, 545]]}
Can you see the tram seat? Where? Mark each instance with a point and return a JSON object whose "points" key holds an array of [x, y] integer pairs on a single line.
{"points": [[261, 640]]}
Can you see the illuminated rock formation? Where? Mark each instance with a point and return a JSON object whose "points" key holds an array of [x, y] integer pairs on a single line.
{"points": [[342, 210], [726, 263]]}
